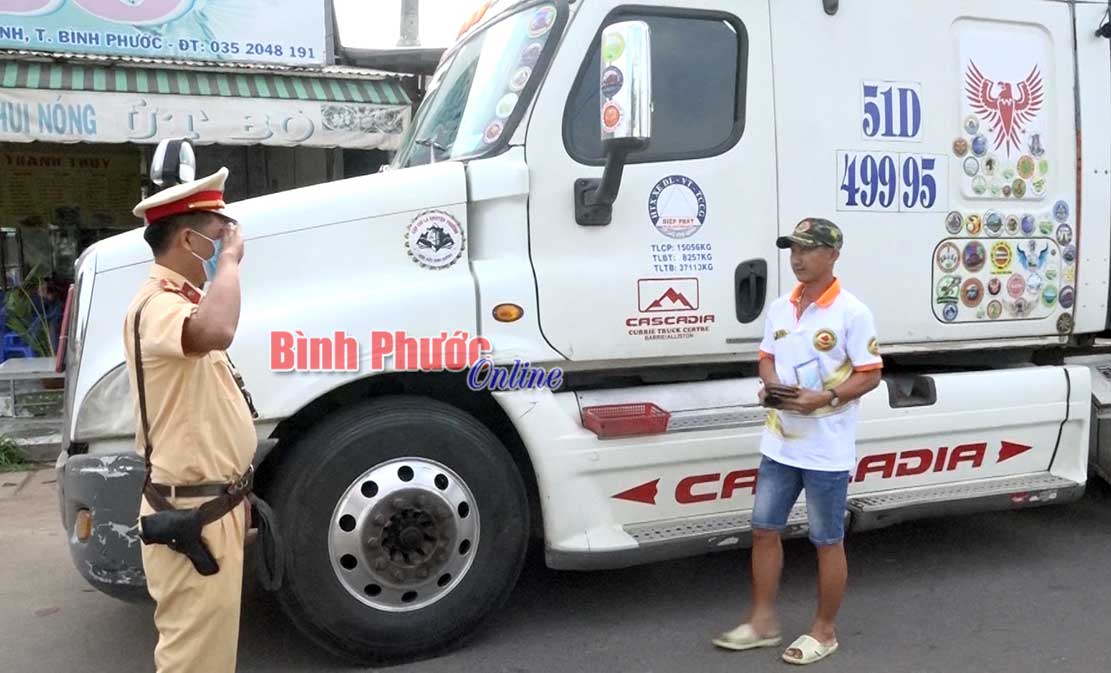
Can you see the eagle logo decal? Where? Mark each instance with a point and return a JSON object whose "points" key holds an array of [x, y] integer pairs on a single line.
{"points": [[1005, 114]]}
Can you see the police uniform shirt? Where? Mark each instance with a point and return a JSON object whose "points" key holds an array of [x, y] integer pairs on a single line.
{"points": [[818, 349], [200, 424]]}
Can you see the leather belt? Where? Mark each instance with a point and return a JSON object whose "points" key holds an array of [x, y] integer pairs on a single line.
{"points": [[207, 490]]}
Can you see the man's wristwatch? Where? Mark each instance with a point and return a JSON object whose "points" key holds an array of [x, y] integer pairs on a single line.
{"points": [[834, 400]]}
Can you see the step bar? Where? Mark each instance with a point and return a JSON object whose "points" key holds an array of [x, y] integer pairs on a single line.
{"points": [[696, 535]]}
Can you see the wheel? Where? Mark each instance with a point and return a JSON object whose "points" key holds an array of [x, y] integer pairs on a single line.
{"points": [[404, 524]]}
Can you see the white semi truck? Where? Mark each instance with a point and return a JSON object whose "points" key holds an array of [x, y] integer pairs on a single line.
{"points": [[594, 188]]}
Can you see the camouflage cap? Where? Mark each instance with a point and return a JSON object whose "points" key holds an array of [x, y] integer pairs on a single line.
{"points": [[813, 232]]}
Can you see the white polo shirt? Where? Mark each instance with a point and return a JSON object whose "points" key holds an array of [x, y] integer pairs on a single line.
{"points": [[819, 349]]}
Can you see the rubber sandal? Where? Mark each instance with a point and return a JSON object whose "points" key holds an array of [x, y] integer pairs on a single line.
{"points": [[744, 637], [811, 649]]}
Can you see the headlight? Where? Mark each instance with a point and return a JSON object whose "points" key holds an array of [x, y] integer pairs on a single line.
{"points": [[107, 410]]}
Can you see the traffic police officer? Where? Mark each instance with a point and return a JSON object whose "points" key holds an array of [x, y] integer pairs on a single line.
{"points": [[200, 418]]}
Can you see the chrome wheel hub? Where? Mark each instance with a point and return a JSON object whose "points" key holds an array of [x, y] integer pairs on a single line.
{"points": [[403, 534]]}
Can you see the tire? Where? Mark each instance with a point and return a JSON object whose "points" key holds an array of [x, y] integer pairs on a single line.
{"points": [[319, 483]]}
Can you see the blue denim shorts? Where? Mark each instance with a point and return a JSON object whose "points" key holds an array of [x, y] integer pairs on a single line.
{"points": [[778, 487]]}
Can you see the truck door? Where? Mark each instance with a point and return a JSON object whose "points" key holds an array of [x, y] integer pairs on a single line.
{"points": [[941, 136], [688, 262]]}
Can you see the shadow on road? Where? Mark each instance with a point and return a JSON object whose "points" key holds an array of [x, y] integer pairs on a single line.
{"points": [[908, 573]]}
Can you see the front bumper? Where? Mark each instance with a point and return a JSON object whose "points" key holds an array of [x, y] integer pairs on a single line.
{"points": [[108, 486]]}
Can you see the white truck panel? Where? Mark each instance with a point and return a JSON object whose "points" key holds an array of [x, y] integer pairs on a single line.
{"points": [[983, 427], [1094, 67], [822, 64]]}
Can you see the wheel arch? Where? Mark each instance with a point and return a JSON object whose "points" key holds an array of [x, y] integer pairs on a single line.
{"points": [[447, 387]]}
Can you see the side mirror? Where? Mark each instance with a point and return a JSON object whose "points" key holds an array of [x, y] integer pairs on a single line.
{"points": [[625, 84], [174, 163]]}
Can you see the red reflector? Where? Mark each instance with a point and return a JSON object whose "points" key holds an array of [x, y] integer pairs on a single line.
{"points": [[622, 420], [63, 334]]}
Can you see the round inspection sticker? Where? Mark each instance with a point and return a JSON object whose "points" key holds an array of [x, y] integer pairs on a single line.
{"points": [[1027, 224], [1018, 188], [1021, 307], [1069, 255], [1007, 191], [995, 309], [1061, 211], [520, 78], [980, 185], [971, 125], [991, 165], [531, 54], [611, 116], [971, 166], [1034, 284], [492, 132], [972, 292], [505, 105], [948, 257], [1025, 167], [949, 312], [1038, 186], [954, 222], [613, 47], [612, 81], [677, 206], [974, 256], [1067, 296], [1016, 285], [541, 21], [993, 222], [1049, 295], [1011, 225], [1001, 256], [434, 239], [974, 224], [995, 286], [979, 145], [960, 147], [1064, 234]]}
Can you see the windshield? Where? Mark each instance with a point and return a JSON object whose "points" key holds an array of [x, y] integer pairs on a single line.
{"points": [[474, 95]]}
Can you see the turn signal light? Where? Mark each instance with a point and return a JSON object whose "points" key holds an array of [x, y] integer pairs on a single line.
{"points": [[508, 312], [83, 525]]}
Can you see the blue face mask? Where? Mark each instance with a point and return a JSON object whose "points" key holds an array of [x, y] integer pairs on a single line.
{"points": [[211, 262]]}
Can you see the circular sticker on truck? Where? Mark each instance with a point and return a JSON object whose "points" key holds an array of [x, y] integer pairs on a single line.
{"points": [[434, 239], [677, 206]]}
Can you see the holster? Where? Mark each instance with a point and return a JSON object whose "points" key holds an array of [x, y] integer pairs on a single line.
{"points": [[180, 530]]}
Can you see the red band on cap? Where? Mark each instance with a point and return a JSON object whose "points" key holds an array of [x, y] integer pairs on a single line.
{"points": [[199, 201]]}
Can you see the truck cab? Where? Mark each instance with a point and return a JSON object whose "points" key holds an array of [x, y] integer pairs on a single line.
{"points": [[597, 187]]}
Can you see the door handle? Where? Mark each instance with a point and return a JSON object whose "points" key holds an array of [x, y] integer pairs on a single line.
{"points": [[750, 281]]}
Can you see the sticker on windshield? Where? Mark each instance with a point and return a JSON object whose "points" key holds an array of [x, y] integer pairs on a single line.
{"points": [[520, 78], [492, 132], [506, 105], [531, 54], [542, 21]]}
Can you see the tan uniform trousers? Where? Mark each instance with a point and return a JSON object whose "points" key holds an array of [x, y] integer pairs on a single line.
{"points": [[198, 617]]}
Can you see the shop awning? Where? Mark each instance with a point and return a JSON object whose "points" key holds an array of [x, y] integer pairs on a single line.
{"points": [[76, 102]]}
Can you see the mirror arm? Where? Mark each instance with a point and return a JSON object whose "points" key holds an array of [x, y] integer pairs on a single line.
{"points": [[594, 198]]}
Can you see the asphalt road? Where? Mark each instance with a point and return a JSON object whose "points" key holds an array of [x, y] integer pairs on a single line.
{"points": [[1013, 592]]}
